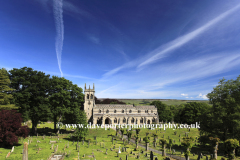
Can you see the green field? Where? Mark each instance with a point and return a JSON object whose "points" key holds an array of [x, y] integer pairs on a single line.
{"points": [[143, 102]]}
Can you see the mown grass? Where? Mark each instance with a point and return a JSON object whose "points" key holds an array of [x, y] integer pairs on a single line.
{"points": [[103, 139]]}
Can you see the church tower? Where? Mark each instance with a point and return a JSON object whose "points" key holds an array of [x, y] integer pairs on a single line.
{"points": [[89, 102]]}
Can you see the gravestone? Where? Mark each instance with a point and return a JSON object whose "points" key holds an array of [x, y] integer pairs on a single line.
{"points": [[77, 143], [12, 149], [25, 151], [151, 155], [126, 157], [95, 137], [8, 154], [179, 135], [206, 157], [113, 147], [88, 143], [123, 149], [82, 142], [52, 146]]}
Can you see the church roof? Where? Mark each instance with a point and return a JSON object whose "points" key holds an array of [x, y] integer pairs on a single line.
{"points": [[100, 106]]}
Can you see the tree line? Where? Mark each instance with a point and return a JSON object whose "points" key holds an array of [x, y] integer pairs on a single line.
{"points": [[40, 97]]}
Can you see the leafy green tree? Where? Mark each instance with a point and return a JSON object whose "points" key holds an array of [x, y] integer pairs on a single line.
{"points": [[191, 113], [59, 97], [5, 90], [231, 145], [214, 142], [170, 143], [164, 143], [225, 113], [164, 112], [188, 143], [81, 132], [138, 130], [64, 99], [136, 140], [31, 93], [129, 135]]}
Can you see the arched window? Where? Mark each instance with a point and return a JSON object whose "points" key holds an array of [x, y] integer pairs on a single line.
{"points": [[115, 111], [139, 111], [91, 96], [99, 111], [141, 120], [115, 120], [132, 120], [130, 111], [151, 111], [122, 111], [124, 120], [107, 111], [87, 96]]}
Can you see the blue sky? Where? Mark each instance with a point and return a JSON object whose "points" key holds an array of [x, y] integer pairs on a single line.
{"points": [[163, 49]]}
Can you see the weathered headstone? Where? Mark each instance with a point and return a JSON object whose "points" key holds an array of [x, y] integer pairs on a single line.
{"points": [[8, 154], [25, 151], [126, 157], [206, 157], [52, 146], [12, 149]]}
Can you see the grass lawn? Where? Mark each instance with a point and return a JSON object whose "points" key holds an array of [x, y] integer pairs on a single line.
{"points": [[99, 151]]}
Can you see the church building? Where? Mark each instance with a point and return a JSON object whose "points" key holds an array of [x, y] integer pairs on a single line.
{"points": [[117, 113]]}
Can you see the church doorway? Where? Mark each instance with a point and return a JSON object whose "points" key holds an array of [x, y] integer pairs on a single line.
{"points": [[107, 121]]}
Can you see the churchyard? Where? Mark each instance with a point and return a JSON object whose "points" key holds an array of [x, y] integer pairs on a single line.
{"points": [[43, 146], [99, 144]]}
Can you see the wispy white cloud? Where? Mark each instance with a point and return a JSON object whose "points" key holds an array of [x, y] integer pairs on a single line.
{"points": [[160, 52], [184, 94], [202, 96], [58, 17], [186, 38], [94, 39]]}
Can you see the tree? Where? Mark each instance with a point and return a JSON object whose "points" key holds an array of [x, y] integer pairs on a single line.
{"points": [[108, 101], [5, 90], [136, 140], [231, 145], [81, 132], [191, 113], [11, 127], [188, 143], [163, 142], [122, 131], [170, 143], [225, 113], [138, 130], [31, 93], [64, 98], [164, 112], [129, 135], [214, 142]]}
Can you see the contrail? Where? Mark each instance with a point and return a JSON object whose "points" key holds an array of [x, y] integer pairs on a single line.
{"points": [[58, 17], [188, 37]]}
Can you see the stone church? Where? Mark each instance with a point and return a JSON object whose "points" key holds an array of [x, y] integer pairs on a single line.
{"points": [[117, 113]]}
